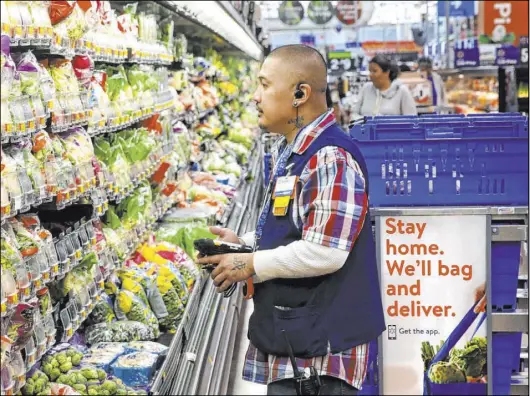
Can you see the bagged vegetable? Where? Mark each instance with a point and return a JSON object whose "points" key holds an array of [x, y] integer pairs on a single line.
{"points": [[130, 306], [139, 283], [21, 324], [120, 331], [173, 304], [103, 311], [147, 346]]}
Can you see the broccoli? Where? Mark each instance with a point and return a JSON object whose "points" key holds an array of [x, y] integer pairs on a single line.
{"points": [[76, 359], [110, 386], [63, 379], [65, 367], [102, 375], [93, 392], [446, 373], [79, 387], [55, 373], [61, 358], [89, 373], [70, 352], [28, 389]]}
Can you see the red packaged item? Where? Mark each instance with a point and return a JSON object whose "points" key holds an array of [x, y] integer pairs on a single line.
{"points": [[22, 323], [60, 10]]}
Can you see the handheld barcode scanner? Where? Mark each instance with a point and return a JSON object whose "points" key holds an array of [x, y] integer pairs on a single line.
{"points": [[209, 247]]}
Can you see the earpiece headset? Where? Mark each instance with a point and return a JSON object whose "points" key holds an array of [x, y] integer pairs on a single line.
{"points": [[298, 94]]}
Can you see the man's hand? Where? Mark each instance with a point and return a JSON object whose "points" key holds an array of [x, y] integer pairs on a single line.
{"points": [[230, 268], [225, 234], [480, 295]]}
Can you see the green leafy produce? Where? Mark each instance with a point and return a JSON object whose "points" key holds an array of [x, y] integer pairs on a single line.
{"points": [[9, 255], [446, 373], [135, 310], [120, 331], [473, 358], [103, 311], [174, 305], [183, 235]]}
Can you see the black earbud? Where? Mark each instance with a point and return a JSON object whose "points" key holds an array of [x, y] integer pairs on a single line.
{"points": [[298, 94]]}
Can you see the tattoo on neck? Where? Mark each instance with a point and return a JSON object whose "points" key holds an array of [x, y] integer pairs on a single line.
{"points": [[298, 121], [239, 264]]}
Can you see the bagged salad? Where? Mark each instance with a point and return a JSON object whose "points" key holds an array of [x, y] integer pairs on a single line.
{"points": [[120, 331], [129, 306]]}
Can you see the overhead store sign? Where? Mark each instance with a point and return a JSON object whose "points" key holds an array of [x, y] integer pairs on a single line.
{"points": [[372, 48], [504, 22], [291, 12], [354, 13], [307, 39], [507, 56], [320, 12], [430, 269], [467, 53], [457, 8], [340, 62]]}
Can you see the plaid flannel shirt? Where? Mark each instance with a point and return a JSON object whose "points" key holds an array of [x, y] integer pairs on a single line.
{"points": [[329, 209]]}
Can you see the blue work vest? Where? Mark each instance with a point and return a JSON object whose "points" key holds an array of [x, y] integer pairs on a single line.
{"points": [[342, 309]]}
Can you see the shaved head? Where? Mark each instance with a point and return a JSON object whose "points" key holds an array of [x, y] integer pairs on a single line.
{"points": [[291, 90], [303, 64]]}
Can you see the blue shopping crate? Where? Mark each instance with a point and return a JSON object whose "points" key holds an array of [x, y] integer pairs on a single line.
{"points": [[463, 161], [505, 346], [505, 257]]}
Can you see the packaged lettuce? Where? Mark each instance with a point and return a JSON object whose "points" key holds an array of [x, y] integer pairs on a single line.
{"points": [[174, 305], [103, 311], [121, 331], [132, 307]]}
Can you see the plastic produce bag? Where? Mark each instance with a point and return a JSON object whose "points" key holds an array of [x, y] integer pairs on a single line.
{"points": [[21, 325], [174, 305], [121, 331], [103, 311], [135, 369], [132, 307], [147, 346]]}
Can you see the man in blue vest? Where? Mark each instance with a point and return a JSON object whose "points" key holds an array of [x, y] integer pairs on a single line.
{"points": [[314, 266]]}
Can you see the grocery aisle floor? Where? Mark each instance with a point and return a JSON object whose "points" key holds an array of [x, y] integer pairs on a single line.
{"points": [[236, 385]]}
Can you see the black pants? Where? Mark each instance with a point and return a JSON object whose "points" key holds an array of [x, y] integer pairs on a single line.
{"points": [[330, 386]]}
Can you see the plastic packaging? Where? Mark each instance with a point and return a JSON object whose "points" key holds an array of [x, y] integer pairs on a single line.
{"points": [[120, 331], [147, 346], [19, 370], [135, 369]]}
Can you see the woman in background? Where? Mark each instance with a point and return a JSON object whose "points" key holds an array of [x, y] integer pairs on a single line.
{"points": [[384, 95]]}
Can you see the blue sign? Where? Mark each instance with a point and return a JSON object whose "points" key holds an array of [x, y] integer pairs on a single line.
{"points": [[467, 57], [457, 8], [507, 56], [352, 44], [307, 39]]}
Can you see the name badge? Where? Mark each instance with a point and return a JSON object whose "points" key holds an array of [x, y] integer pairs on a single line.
{"points": [[284, 190]]}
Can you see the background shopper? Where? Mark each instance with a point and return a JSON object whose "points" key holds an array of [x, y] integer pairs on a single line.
{"points": [[439, 97], [385, 94]]}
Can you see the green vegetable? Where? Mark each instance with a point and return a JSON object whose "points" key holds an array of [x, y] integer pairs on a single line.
{"points": [[55, 373], [473, 358], [90, 373], [76, 360], [101, 374], [446, 373], [110, 386], [79, 387], [65, 367]]}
